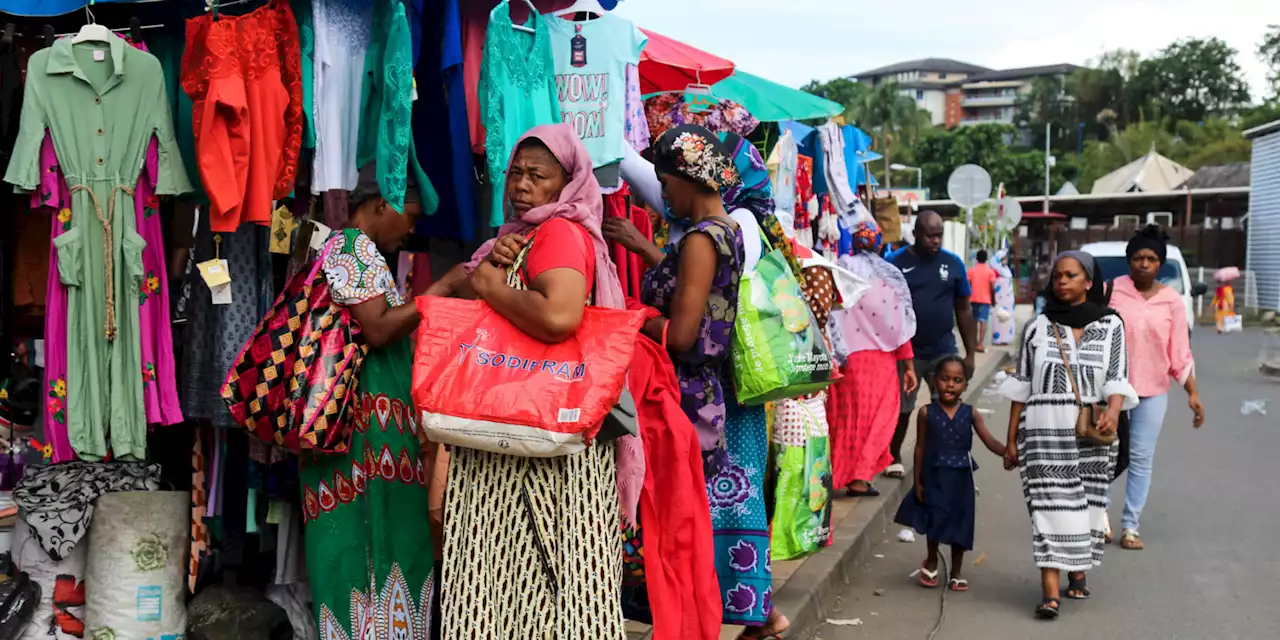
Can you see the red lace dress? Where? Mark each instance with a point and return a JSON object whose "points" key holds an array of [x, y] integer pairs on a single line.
{"points": [[244, 76]]}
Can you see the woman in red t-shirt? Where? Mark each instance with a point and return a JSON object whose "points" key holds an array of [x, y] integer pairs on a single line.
{"points": [[533, 546]]}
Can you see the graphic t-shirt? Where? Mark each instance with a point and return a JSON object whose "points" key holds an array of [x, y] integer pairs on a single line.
{"points": [[591, 79], [935, 284]]}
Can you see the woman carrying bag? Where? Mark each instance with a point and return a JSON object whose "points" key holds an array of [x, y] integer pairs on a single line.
{"points": [[1072, 365]]}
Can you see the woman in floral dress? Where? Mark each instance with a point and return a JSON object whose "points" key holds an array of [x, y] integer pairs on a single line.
{"points": [[695, 287], [367, 531]]}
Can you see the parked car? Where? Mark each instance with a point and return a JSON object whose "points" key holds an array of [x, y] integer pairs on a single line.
{"points": [[1112, 261]]}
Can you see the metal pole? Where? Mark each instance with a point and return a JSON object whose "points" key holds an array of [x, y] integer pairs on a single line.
{"points": [[1047, 131], [919, 178]]}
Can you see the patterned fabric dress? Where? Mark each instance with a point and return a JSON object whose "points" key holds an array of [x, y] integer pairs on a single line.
{"points": [[733, 438], [368, 539], [532, 545], [1065, 481]]}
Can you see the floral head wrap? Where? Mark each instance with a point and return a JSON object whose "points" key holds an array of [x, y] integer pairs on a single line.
{"points": [[695, 154]]}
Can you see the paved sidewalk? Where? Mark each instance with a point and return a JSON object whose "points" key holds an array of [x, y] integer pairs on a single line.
{"points": [[805, 589]]}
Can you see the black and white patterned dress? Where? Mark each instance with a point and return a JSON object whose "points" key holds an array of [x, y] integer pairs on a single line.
{"points": [[1065, 481]]}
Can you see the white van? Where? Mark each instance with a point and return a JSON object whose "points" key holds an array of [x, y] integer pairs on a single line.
{"points": [[1111, 259]]}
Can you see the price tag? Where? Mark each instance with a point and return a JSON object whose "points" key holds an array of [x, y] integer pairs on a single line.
{"points": [[215, 272], [319, 235], [282, 226], [222, 293]]}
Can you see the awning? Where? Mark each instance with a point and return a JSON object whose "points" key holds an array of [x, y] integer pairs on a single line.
{"points": [[671, 65], [769, 101]]}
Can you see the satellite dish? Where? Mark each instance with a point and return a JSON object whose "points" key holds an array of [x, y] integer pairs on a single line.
{"points": [[969, 186], [1008, 213]]}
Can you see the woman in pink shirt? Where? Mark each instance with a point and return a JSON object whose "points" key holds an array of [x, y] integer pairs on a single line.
{"points": [[1155, 326]]}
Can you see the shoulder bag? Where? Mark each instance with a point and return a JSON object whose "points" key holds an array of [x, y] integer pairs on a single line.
{"points": [[1087, 420]]}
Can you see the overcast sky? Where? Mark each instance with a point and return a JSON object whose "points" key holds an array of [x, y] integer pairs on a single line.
{"points": [[795, 41]]}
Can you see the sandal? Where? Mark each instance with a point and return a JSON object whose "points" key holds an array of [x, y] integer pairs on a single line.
{"points": [[1106, 535], [1047, 612], [928, 579], [895, 470], [870, 492], [766, 632], [1130, 540], [1078, 586], [958, 584]]}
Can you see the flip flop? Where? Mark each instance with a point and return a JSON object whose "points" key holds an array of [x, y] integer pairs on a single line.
{"points": [[958, 584], [928, 579], [1046, 612], [895, 470]]}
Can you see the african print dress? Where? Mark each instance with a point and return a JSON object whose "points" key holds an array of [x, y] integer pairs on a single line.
{"points": [[733, 437], [368, 536], [1065, 480]]}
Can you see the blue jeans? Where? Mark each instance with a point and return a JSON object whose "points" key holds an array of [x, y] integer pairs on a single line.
{"points": [[1145, 422]]}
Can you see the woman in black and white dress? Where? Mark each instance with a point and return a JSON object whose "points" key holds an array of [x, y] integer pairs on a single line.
{"points": [[1065, 480]]}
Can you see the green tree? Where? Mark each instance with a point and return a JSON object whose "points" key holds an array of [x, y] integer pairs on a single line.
{"points": [[990, 146], [842, 91], [1049, 103], [1269, 53], [1190, 80]]}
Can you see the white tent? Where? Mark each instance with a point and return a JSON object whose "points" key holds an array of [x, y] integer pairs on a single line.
{"points": [[1152, 172]]}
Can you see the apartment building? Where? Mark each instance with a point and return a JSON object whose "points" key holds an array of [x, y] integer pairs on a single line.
{"points": [[927, 81]]}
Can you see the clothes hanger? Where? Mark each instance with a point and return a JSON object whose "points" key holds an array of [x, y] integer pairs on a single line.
{"points": [[532, 11], [135, 30], [50, 35], [583, 6], [92, 31]]}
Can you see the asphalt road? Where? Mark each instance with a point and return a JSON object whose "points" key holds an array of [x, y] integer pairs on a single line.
{"points": [[1211, 568]]}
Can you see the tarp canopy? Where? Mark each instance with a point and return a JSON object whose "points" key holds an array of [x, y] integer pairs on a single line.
{"points": [[769, 101], [671, 65]]}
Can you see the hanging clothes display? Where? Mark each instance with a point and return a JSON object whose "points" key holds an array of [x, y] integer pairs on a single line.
{"points": [[244, 76], [637, 126], [53, 194], [517, 92], [440, 121], [782, 163], [668, 111], [631, 266], [100, 257], [836, 170], [591, 58], [387, 98], [302, 13], [342, 37]]}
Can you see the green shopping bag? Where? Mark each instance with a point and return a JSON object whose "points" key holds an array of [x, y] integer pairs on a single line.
{"points": [[802, 464], [778, 350]]}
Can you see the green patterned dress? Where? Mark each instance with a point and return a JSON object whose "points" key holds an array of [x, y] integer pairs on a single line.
{"points": [[368, 543]]}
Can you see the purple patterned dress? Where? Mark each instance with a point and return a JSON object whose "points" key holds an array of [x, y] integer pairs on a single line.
{"points": [[733, 437]]}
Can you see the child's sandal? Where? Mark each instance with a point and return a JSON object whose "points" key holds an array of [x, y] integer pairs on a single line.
{"points": [[928, 579]]}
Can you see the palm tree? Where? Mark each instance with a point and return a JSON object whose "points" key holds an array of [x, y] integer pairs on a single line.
{"points": [[892, 117]]}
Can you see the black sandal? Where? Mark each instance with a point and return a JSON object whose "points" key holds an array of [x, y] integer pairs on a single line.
{"points": [[1046, 612], [1079, 586]]}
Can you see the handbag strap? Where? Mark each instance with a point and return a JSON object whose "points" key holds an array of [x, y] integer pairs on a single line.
{"points": [[1067, 360]]}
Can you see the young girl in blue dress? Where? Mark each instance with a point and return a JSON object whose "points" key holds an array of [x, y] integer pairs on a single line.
{"points": [[942, 505]]}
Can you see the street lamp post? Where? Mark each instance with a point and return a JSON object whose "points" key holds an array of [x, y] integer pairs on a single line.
{"points": [[919, 173]]}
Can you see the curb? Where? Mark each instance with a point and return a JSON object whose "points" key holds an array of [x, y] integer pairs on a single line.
{"points": [[808, 594]]}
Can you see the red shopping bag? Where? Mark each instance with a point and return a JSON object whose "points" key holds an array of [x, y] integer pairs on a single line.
{"points": [[479, 382]]}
